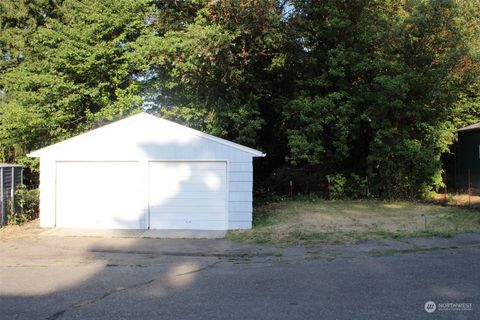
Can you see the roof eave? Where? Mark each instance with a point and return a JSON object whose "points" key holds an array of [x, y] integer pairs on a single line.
{"points": [[472, 127], [468, 130]]}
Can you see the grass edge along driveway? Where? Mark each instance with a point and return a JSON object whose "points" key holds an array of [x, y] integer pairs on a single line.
{"points": [[348, 221]]}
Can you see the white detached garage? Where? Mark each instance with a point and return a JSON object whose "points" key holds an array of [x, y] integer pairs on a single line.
{"points": [[145, 172]]}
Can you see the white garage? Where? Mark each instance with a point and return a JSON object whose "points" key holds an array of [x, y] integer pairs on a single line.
{"points": [[144, 172]]}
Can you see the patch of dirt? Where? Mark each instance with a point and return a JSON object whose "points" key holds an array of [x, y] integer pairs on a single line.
{"points": [[27, 229]]}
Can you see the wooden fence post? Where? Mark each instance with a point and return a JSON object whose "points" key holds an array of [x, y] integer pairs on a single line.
{"points": [[469, 189], [445, 190]]}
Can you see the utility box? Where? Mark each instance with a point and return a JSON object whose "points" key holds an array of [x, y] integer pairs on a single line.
{"points": [[11, 176]]}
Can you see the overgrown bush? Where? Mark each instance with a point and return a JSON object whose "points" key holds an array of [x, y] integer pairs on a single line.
{"points": [[412, 169], [310, 184], [28, 205], [336, 186], [356, 187]]}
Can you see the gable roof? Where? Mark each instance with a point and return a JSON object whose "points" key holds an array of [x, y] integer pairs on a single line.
{"points": [[139, 118], [475, 126]]}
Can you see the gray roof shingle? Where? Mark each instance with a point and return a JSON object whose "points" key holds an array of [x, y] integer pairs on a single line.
{"points": [[475, 126]]}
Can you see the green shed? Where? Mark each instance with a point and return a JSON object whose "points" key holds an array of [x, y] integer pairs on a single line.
{"points": [[467, 157]]}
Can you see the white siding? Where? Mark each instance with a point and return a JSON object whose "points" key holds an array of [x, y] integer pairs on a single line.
{"points": [[241, 166], [240, 194], [239, 216], [240, 186], [240, 225], [47, 193], [240, 206], [241, 176]]}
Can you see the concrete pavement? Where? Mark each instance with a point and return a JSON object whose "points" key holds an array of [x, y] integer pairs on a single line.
{"points": [[135, 233], [132, 278]]}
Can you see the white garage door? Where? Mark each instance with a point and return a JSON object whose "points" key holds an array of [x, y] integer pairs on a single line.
{"points": [[100, 195], [188, 195]]}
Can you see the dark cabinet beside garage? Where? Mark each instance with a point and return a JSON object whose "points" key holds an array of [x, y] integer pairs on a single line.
{"points": [[11, 176]]}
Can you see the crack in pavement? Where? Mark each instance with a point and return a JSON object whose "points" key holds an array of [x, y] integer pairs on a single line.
{"points": [[82, 303], [122, 251], [188, 254], [85, 302], [198, 270]]}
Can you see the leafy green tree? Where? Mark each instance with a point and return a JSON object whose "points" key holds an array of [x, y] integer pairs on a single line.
{"points": [[417, 99], [78, 69], [19, 20], [214, 72], [377, 90]]}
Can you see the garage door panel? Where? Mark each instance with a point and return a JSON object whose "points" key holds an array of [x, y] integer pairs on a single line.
{"points": [[195, 195], [207, 183], [178, 188], [187, 172], [202, 165], [191, 224], [187, 195], [169, 203], [99, 195], [215, 211], [181, 195], [183, 217]]}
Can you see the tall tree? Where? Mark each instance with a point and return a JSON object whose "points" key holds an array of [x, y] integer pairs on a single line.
{"points": [[216, 72], [377, 90], [417, 98], [78, 69]]}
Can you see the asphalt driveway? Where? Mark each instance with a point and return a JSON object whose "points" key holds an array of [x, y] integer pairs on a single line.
{"points": [[106, 278]]}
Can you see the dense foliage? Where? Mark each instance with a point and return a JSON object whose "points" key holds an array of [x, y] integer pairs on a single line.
{"points": [[368, 93]]}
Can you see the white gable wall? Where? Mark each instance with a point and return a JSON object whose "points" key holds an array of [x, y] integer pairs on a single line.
{"points": [[142, 137], [145, 141]]}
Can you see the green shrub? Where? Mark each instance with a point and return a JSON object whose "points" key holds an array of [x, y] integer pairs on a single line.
{"points": [[356, 187], [28, 205], [336, 185]]}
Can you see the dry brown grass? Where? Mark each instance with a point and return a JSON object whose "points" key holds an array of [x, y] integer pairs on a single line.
{"points": [[351, 221], [28, 229], [460, 200]]}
